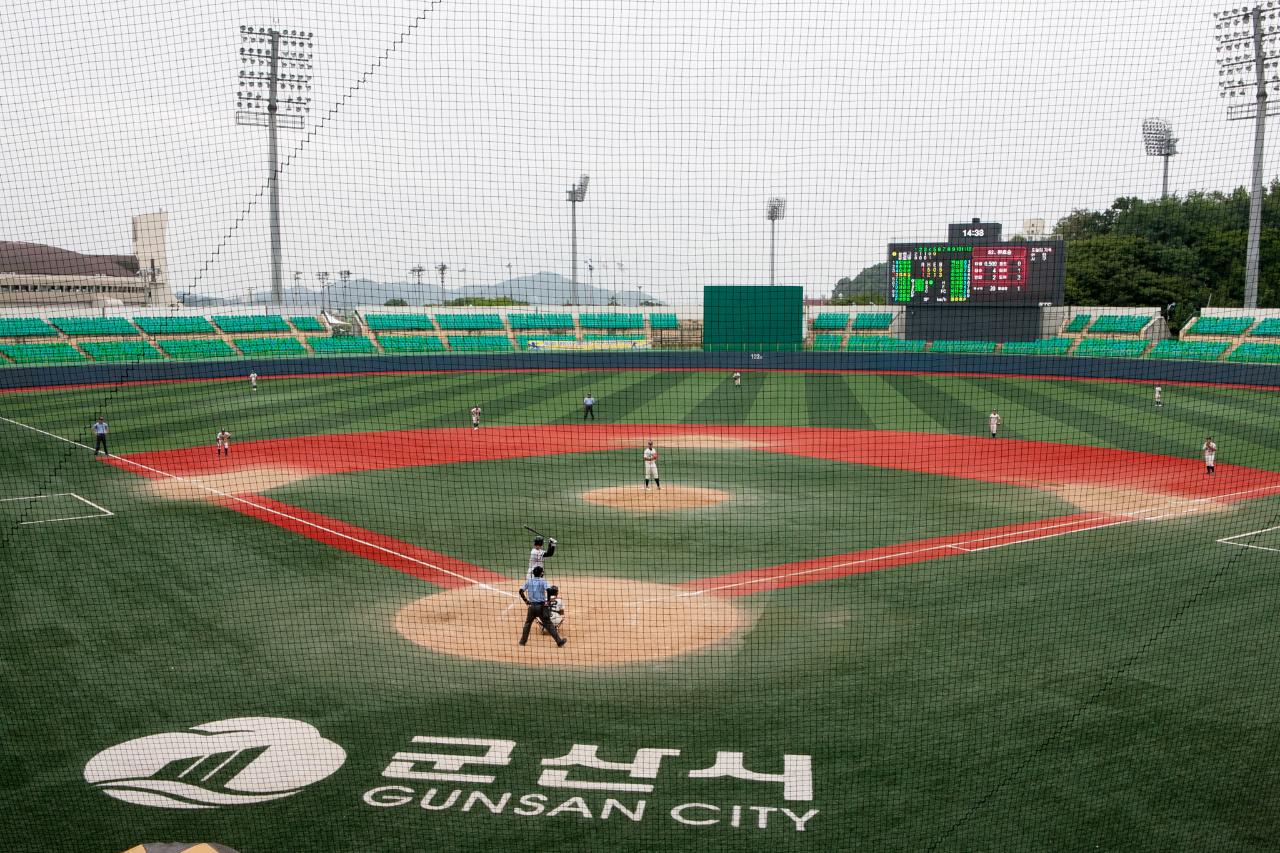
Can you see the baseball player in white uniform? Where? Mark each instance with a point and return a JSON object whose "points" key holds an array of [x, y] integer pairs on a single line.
{"points": [[539, 553], [1210, 453], [253, 381], [651, 467], [223, 443], [1159, 397], [475, 417], [737, 378], [556, 610], [994, 420]]}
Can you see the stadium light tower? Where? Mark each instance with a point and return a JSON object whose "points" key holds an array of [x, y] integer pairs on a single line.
{"points": [[1248, 41], [576, 194], [773, 211], [274, 92], [1157, 136]]}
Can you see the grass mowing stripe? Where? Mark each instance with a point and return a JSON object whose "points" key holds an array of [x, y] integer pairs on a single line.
{"points": [[779, 402], [565, 407], [504, 399], [725, 404], [1030, 414], [889, 409], [939, 405], [830, 402], [675, 402], [617, 395]]}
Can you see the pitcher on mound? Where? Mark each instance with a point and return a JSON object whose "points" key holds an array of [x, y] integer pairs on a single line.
{"points": [[651, 467]]}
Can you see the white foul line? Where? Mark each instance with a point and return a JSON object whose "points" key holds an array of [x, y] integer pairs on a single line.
{"points": [[103, 512], [1226, 540], [261, 508]]}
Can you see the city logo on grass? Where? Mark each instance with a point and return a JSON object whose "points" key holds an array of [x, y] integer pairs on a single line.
{"points": [[241, 761]]}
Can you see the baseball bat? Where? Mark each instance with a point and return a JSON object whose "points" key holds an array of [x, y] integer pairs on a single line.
{"points": [[534, 532]]}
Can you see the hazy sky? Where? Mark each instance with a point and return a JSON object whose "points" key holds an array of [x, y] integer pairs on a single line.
{"points": [[876, 123]]}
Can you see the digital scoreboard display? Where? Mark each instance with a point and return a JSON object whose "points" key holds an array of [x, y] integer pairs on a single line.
{"points": [[1021, 273]]}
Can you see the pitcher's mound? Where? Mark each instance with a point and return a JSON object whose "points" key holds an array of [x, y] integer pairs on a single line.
{"points": [[669, 497], [610, 622]]}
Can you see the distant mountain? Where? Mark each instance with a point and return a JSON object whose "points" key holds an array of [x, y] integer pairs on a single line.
{"points": [[544, 288]]}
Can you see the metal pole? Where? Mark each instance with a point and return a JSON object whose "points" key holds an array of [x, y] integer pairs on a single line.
{"points": [[273, 180], [1164, 188], [1255, 201], [573, 225], [773, 234]]}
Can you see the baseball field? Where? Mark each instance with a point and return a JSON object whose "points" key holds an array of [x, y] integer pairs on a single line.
{"points": [[849, 619]]}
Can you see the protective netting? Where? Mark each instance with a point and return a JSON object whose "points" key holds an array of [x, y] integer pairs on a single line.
{"points": [[667, 426]]}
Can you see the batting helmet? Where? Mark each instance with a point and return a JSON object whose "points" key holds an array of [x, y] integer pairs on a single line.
{"points": [[538, 541], [553, 590]]}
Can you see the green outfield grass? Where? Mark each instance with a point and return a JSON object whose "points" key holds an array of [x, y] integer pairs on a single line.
{"points": [[1113, 689]]}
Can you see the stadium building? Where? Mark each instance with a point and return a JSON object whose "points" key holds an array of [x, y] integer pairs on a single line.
{"points": [[33, 275]]}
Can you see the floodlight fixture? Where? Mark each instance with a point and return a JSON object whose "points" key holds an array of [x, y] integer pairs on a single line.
{"points": [[774, 209], [1249, 64], [1157, 136], [576, 194], [274, 91]]}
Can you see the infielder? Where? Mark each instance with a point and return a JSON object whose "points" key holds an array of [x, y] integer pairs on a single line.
{"points": [[537, 554], [994, 420], [1159, 397], [1210, 453], [651, 466], [534, 594], [475, 417], [223, 443]]}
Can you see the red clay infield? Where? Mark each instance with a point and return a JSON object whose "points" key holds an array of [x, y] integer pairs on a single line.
{"points": [[1022, 463]]}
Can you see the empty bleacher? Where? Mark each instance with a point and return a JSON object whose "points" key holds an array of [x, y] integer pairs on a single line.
{"points": [[245, 324], [174, 325], [1268, 328], [1109, 348], [883, 343], [611, 321], [1232, 326], [307, 324], [470, 322], [117, 351], [26, 327], [480, 343], [830, 322], [270, 347], [57, 353], [1120, 324], [408, 344], [94, 326], [399, 323], [193, 349], [1045, 346], [342, 345], [541, 321], [827, 342], [1077, 324], [664, 321], [1250, 351], [1172, 348], [872, 321], [522, 341]]}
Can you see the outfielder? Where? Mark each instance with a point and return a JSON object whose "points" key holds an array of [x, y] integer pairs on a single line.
{"points": [[223, 443], [994, 420], [537, 554], [651, 466], [475, 417], [1159, 397], [1210, 453], [253, 381]]}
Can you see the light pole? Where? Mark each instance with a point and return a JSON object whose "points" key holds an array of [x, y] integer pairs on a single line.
{"points": [[510, 286], [274, 91], [773, 211], [1157, 136], [324, 291], [576, 194], [1244, 53], [442, 268], [417, 272], [591, 276], [345, 275]]}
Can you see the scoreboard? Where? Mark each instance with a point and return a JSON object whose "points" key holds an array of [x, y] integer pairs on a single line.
{"points": [[1018, 273]]}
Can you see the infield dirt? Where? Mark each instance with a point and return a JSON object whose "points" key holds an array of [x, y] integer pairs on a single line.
{"points": [[669, 498]]}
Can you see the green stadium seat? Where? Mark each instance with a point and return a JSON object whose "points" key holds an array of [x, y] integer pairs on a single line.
{"points": [[1268, 328], [611, 320], [828, 322], [399, 323], [26, 327], [541, 321], [664, 321], [522, 341], [59, 353], [882, 343], [470, 322], [400, 344], [121, 351], [240, 324], [479, 343], [1220, 326], [1192, 350], [95, 326], [270, 347], [307, 324], [342, 345], [174, 325], [873, 321], [963, 346], [597, 336], [1047, 346], [827, 343], [195, 349], [1256, 353], [1119, 324], [1077, 324], [1105, 347]]}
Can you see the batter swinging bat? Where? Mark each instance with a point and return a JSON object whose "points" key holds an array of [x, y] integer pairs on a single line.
{"points": [[534, 532]]}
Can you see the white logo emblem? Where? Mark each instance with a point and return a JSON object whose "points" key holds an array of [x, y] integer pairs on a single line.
{"points": [[234, 762]]}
